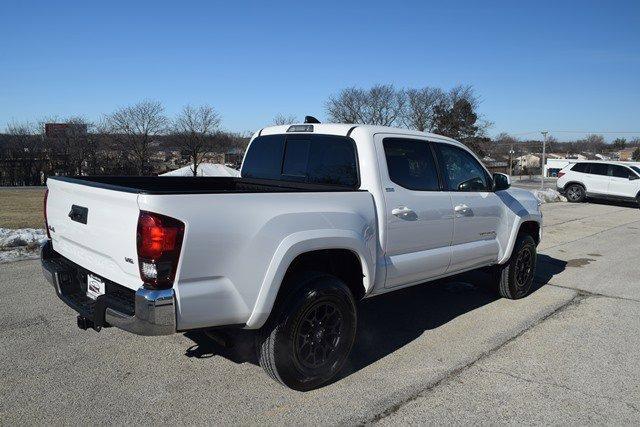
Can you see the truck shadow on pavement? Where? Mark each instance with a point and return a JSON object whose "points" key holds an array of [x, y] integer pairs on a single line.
{"points": [[388, 322]]}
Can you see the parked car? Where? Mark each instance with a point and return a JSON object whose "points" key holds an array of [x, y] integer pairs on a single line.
{"points": [[602, 180], [323, 215]]}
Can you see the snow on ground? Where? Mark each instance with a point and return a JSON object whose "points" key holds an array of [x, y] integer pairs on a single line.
{"points": [[20, 244], [548, 195]]}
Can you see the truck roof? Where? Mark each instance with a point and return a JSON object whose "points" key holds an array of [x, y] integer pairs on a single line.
{"points": [[342, 129]]}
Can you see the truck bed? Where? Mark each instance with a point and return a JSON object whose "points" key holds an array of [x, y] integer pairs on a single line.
{"points": [[195, 185]]}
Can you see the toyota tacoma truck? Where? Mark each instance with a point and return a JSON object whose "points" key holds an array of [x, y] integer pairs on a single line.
{"points": [[322, 216]]}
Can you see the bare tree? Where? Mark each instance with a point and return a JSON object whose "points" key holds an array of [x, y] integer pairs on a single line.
{"points": [[348, 106], [194, 129], [419, 108], [384, 106], [380, 105], [281, 119], [134, 128], [76, 141], [23, 155], [593, 143]]}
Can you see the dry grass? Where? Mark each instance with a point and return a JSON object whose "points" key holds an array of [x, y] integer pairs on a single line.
{"points": [[21, 207]]}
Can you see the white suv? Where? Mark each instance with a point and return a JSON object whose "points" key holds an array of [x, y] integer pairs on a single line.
{"points": [[606, 180]]}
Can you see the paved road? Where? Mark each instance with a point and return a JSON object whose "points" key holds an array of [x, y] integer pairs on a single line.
{"points": [[445, 352]]}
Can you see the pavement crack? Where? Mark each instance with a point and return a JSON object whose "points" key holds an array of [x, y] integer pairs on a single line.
{"points": [[562, 386], [582, 292], [455, 372]]}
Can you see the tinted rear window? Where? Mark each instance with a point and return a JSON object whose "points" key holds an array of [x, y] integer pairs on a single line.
{"points": [[598, 169], [579, 167], [316, 159], [410, 164]]}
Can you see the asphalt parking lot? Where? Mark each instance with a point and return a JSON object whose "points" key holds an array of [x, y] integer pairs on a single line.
{"points": [[446, 352]]}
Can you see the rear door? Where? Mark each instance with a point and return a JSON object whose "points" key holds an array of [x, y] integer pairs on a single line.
{"points": [[623, 182], [476, 208], [596, 179], [95, 228], [418, 215]]}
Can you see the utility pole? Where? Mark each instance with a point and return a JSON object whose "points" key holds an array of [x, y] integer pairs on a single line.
{"points": [[544, 162], [511, 160]]}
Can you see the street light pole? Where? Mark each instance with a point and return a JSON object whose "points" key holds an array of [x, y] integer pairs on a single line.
{"points": [[544, 162]]}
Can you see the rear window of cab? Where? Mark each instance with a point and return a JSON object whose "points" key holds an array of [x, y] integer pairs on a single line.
{"points": [[310, 158]]}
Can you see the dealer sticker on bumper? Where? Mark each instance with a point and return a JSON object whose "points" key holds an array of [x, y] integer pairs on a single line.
{"points": [[95, 286]]}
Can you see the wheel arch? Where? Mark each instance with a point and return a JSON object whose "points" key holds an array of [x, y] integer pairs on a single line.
{"points": [[339, 252], [530, 225], [569, 183]]}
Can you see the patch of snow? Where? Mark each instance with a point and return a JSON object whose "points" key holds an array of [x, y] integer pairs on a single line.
{"points": [[548, 195], [10, 238], [20, 244]]}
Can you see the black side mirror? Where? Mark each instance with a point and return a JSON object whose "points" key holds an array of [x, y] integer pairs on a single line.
{"points": [[632, 176], [501, 181]]}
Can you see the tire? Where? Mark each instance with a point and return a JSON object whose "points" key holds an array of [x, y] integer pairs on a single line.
{"points": [[309, 339], [575, 193], [515, 277]]}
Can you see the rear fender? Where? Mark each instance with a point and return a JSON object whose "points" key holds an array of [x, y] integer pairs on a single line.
{"points": [[297, 244]]}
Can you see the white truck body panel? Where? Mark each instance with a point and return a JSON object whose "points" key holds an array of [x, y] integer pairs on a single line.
{"points": [[237, 247]]}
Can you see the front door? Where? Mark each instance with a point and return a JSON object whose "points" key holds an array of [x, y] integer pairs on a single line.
{"points": [[419, 216], [623, 182], [477, 209]]}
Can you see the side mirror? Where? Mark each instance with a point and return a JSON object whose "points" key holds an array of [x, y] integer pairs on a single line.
{"points": [[632, 176], [501, 181], [473, 184]]}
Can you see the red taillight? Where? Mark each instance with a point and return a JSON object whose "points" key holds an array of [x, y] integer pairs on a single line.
{"points": [[560, 174], [159, 241], [46, 222]]}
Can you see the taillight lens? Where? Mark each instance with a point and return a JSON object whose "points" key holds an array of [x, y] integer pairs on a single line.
{"points": [[44, 210], [560, 174], [159, 240]]}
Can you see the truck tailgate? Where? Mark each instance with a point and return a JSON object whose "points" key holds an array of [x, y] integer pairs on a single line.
{"points": [[95, 228]]}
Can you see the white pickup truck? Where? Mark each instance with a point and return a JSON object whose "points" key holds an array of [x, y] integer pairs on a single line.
{"points": [[322, 216]]}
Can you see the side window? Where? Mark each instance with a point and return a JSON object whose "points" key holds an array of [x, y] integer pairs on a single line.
{"points": [[462, 172], [598, 169], [579, 167], [264, 158], [619, 171], [410, 163]]}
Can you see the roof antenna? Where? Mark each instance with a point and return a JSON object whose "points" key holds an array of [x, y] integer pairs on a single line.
{"points": [[311, 119]]}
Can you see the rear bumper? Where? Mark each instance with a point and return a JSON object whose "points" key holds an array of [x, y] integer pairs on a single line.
{"points": [[143, 312]]}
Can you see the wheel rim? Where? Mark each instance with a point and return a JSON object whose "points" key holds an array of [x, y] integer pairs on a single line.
{"points": [[574, 193], [318, 335], [524, 269]]}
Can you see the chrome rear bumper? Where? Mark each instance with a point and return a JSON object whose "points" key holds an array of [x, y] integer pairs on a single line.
{"points": [[145, 312]]}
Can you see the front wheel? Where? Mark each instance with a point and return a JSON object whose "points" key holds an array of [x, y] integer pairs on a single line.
{"points": [[515, 278], [309, 340]]}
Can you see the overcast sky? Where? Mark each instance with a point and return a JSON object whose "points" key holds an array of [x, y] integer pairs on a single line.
{"points": [[557, 65]]}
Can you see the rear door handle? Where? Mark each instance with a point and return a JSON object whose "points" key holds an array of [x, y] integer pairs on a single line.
{"points": [[463, 210], [402, 212]]}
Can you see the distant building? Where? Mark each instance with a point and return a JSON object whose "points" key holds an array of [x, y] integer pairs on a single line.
{"points": [[625, 155]]}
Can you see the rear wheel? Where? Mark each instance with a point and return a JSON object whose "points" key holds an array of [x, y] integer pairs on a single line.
{"points": [[515, 278], [308, 341], [575, 193]]}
